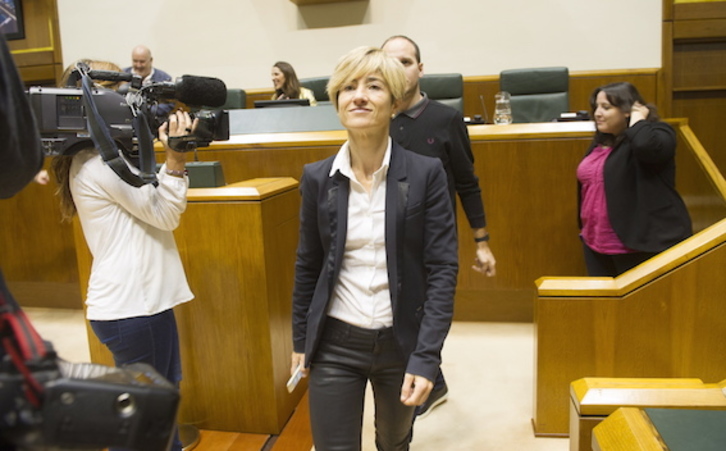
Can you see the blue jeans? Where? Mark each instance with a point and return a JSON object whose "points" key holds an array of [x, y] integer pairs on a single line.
{"points": [[148, 339]]}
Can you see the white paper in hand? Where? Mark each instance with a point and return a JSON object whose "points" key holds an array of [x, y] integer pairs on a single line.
{"points": [[294, 379]]}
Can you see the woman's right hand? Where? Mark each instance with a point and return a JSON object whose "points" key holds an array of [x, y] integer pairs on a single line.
{"points": [[638, 112], [298, 358], [179, 124]]}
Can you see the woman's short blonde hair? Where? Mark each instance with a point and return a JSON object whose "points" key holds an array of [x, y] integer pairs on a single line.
{"points": [[367, 60]]}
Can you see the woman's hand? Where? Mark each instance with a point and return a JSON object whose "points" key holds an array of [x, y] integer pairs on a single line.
{"points": [[638, 112], [298, 359], [179, 124]]}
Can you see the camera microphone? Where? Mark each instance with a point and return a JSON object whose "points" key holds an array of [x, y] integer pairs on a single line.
{"points": [[193, 90]]}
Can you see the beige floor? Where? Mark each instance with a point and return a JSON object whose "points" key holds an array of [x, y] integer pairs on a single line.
{"points": [[488, 366]]}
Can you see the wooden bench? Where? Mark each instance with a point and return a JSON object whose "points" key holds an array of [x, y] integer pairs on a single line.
{"points": [[592, 399]]}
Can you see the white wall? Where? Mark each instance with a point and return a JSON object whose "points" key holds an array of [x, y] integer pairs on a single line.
{"points": [[239, 40]]}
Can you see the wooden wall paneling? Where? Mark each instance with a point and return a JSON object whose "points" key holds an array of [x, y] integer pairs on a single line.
{"points": [[582, 85], [479, 94], [665, 76], [706, 113], [699, 28], [695, 59], [667, 10], [257, 94], [699, 66], [38, 56], [698, 10], [38, 255]]}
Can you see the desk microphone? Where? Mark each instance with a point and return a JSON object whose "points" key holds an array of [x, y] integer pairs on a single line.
{"points": [[484, 108]]}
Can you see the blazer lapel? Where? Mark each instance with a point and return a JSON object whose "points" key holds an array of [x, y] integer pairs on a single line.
{"points": [[337, 205], [396, 200]]}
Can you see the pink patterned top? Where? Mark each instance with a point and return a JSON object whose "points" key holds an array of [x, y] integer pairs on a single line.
{"points": [[597, 232]]}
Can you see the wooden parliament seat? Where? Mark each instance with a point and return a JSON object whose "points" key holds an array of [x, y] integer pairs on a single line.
{"points": [[592, 399], [654, 429], [662, 319]]}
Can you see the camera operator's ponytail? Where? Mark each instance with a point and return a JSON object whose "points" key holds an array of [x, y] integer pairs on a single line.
{"points": [[61, 167]]}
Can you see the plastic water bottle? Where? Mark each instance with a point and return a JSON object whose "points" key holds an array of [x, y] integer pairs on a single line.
{"points": [[502, 108]]}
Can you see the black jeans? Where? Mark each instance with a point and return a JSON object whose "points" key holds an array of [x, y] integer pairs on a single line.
{"points": [[347, 358], [604, 265]]}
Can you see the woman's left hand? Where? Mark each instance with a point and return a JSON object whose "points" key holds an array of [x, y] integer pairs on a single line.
{"points": [[638, 112], [415, 389]]}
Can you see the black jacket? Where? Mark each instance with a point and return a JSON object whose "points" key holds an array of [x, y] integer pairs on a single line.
{"points": [[421, 255], [645, 210]]}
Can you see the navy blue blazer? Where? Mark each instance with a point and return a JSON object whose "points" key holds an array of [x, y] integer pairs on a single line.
{"points": [[421, 254]]}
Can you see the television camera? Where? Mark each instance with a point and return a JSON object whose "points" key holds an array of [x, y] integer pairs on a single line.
{"points": [[49, 404], [124, 122]]}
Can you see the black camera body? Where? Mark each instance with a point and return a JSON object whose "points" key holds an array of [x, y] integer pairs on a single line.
{"points": [[86, 406], [62, 118]]}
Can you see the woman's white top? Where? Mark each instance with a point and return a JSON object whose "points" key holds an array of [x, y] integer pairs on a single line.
{"points": [[136, 267]]}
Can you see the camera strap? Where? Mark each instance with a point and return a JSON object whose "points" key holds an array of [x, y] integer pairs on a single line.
{"points": [[107, 147]]}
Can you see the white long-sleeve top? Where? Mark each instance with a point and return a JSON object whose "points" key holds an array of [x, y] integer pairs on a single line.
{"points": [[136, 268]]}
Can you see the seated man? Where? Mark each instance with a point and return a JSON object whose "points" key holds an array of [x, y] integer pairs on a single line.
{"points": [[142, 66]]}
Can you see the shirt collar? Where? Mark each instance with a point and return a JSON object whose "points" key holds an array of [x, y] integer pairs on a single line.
{"points": [[342, 161], [146, 80], [418, 108]]}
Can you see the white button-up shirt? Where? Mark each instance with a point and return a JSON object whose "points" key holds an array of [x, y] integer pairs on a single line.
{"points": [[361, 295]]}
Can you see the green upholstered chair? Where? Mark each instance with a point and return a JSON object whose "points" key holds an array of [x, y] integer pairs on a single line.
{"points": [[538, 95], [236, 99], [318, 86], [446, 88]]}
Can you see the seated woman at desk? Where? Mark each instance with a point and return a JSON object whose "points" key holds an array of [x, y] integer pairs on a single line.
{"points": [[287, 86], [629, 207]]}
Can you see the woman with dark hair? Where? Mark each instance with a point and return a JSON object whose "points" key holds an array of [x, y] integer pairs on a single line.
{"points": [[287, 86], [629, 207]]}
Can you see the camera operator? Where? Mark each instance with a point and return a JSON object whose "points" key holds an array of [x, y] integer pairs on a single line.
{"points": [[137, 275]]}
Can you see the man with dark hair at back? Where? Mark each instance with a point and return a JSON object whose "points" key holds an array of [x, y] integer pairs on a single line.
{"points": [[431, 128]]}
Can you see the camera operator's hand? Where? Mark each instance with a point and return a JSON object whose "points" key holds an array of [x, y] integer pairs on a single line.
{"points": [[179, 124]]}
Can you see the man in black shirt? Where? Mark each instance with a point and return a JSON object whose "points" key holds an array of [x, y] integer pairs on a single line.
{"points": [[431, 128]]}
